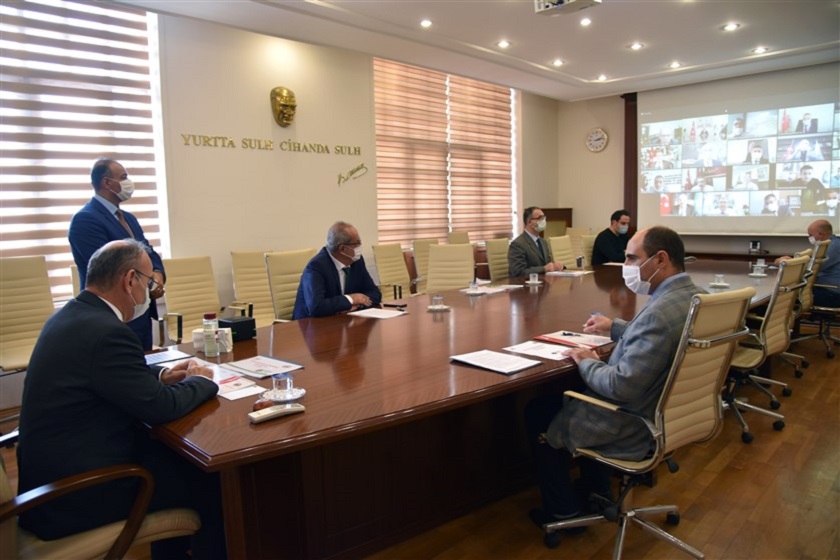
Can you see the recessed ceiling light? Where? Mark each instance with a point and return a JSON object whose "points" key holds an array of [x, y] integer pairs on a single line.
{"points": [[602, 78], [760, 50], [585, 21], [635, 46], [731, 26], [557, 62], [674, 65], [426, 23], [503, 44]]}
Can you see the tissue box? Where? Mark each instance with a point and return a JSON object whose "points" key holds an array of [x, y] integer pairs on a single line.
{"points": [[243, 327]]}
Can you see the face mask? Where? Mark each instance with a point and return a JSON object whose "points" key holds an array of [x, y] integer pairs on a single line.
{"points": [[140, 308], [357, 254], [773, 207], [540, 225], [812, 239], [633, 278], [622, 230], [126, 190], [831, 203]]}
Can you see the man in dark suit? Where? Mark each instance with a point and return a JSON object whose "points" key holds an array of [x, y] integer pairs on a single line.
{"points": [[101, 220], [807, 125], [529, 253], [88, 389], [632, 378], [336, 280]]}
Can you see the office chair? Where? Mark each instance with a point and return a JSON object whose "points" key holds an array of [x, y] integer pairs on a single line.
{"points": [[75, 280], [497, 259], [826, 318], [25, 305], [575, 234], [450, 267], [771, 338], [822, 316], [587, 245], [458, 237], [190, 293], [250, 283], [689, 411], [561, 251], [421, 262], [804, 303], [110, 541], [284, 271], [392, 271]]}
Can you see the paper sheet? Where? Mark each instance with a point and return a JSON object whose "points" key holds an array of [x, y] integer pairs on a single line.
{"points": [[496, 361], [540, 349]]}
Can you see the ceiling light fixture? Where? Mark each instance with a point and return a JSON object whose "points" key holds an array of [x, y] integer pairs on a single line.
{"points": [[585, 22], [503, 44], [426, 23], [635, 46], [674, 65], [602, 78], [760, 50], [731, 26], [557, 62]]}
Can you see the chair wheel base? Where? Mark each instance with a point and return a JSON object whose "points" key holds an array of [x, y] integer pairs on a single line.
{"points": [[799, 373], [778, 425], [775, 405], [747, 437], [673, 518], [805, 364], [787, 391], [830, 353], [551, 540]]}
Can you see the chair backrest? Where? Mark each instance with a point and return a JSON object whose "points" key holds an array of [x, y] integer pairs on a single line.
{"points": [[812, 269], [458, 237], [250, 284], [25, 305], [561, 250], [497, 259], [555, 228], [390, 266], [774, 331], [284, 271], [191, 290], [75, 280], [690, 408], [421, 260], [575, 234], [587, 245], [450, 267]]}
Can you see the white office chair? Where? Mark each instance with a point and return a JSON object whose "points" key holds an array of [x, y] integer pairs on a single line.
{"points": [[450, 267]]}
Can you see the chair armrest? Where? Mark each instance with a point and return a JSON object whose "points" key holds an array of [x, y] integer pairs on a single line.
{"points": [[241, 306], [276, 321], [655, 432], [48, 492], [830, 286], [165, 333]]}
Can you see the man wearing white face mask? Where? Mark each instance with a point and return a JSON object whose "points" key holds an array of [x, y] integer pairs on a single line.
{"points": [[101, 220], [632, 378], [86, 392], [610, 244], [826, 291], [529, 253], [336, 280]]}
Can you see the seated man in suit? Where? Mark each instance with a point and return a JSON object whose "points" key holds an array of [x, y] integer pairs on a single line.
{"points": [[632, 378], [86, 393], [529, 253], [336, 280]]}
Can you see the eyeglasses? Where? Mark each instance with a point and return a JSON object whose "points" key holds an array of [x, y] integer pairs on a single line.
{"points": [[356, 244], [153, 284]]}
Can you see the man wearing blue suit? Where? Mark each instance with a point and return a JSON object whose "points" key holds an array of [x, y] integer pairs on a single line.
{"points": [[101, 221], [336, 280], [632, 378]]}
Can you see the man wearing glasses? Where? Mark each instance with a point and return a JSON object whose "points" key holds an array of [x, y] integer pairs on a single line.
{"points": [[100, 221], [336, 280], [529, 253]]}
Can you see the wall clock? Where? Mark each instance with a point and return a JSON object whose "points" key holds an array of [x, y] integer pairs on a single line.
{"points": [[596, 140]]}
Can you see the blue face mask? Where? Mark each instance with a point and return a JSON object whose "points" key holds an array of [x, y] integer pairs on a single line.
{"points": [[622, 230]]}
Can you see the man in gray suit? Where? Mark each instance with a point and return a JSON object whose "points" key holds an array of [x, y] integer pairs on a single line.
{"points": [[632, 378], [529, 253]]}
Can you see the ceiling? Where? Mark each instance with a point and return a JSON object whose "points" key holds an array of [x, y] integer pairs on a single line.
{"points": [[464, 34]]}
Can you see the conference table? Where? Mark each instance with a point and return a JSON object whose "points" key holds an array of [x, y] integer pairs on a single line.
{"points": [[396, 438]]}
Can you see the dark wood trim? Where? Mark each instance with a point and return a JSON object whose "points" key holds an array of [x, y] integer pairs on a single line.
{"points": [[631, 157]]}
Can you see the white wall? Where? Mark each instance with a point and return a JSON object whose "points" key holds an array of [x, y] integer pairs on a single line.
{"points": [[538, 160]]}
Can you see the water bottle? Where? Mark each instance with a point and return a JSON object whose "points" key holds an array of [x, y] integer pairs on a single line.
{"points": [[211, 325]]}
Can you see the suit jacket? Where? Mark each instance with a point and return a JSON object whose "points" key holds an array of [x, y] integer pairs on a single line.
{"points": [[811, 128], [632, 378], [319, 293], [524, 258], [92, 227], [87, 389]]}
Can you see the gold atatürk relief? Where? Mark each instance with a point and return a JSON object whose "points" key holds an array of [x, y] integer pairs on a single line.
{"points": [[283, 105]]}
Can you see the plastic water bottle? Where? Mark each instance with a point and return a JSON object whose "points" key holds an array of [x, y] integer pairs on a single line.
{"points": [[211, 325]]}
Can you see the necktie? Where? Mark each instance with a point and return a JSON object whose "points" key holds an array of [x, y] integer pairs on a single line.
{"points": [[541, 248], [123, 223], [346, 271]]}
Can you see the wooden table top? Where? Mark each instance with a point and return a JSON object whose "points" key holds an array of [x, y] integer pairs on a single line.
{"points": [[363, 374]]}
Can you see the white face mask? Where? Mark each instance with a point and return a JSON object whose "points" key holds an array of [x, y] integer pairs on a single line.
{"points": [[622, 230], [831, 203], [633, 278], [773, 207], [540, 225], [126, 190], [357, 254], [140, 308]]}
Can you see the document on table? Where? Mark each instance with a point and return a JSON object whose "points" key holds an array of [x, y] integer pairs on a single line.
{"points": [[496, 361], [485, 290], [574, 339], [540, 349], [377, 313], [232, 385], [261, 366], [571, 273]]}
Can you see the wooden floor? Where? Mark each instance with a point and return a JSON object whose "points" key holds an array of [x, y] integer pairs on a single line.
{"points": [[776, 498]]}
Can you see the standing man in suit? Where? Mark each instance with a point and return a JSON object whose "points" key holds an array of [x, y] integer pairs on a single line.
{"points": [[611, 243], [86, 393], [529, 253], [101, 220], [336, 280], [632, 378]]}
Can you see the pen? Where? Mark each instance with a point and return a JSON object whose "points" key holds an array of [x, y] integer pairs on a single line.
{"points": [[400, 306], [564, 333]]}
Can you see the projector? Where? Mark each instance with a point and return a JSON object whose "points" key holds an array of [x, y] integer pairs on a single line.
{"points": [[554, 7]]}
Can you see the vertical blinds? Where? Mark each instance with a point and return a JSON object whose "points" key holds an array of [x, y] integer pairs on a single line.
{"points": [[443, 155], [74, 86]]}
